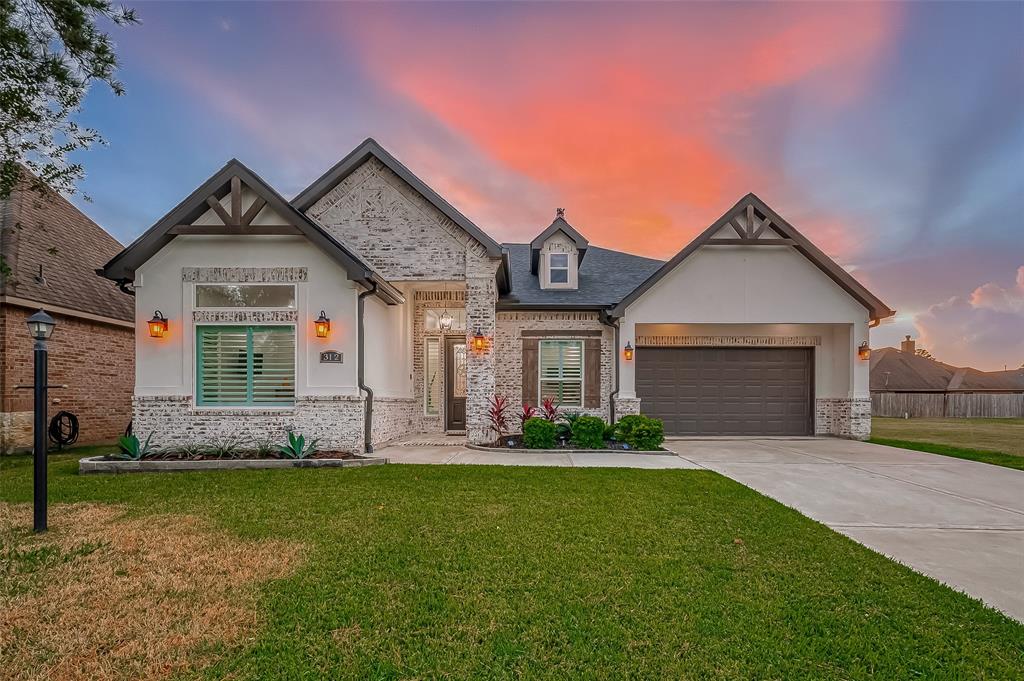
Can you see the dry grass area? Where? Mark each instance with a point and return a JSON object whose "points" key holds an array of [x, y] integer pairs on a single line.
{"points": [[108, 596], [995, 435]]}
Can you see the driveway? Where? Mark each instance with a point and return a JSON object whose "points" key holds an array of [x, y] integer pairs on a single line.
{"points": [[958, 521]]}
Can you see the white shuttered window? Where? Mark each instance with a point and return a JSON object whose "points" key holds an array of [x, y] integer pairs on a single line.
{"points": [[245, 365], [561, 372]]}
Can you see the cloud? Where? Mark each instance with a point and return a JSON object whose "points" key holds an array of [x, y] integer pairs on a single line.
{"points": [[984, 329]]}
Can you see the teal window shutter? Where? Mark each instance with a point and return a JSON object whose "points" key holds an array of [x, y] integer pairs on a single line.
{"points": [[245, 365]]}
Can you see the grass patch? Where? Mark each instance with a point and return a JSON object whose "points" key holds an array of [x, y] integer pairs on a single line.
{"points": [[996, 458], [1003, 436], [486, 572]]}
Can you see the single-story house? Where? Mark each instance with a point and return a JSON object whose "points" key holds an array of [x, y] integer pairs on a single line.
{"points": [[49, 252], [368, 308]]}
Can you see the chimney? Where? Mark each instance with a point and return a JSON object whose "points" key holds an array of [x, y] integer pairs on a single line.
{"points": [[908, 345]]}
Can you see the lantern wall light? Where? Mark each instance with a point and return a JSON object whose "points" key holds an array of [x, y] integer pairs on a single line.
{"points": [[863, 351], [627, 352], [158, 325], [479, 340], [323, 325]]}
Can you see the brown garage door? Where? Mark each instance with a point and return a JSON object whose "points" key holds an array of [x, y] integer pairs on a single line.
{"points": [[727, 391]]}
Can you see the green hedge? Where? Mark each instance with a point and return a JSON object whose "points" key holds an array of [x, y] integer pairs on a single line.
{"points": [[588, 432], [538, 433], [640, 432]]}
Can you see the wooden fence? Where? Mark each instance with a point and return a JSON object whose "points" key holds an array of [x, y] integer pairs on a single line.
{"points": [[948, 405]]}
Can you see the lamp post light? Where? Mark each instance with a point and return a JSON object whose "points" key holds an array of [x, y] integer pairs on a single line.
{"points": [[40, 326]]}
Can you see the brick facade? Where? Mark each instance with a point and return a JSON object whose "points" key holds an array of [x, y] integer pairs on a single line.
{"points": [[95, 360], [843, 417]]}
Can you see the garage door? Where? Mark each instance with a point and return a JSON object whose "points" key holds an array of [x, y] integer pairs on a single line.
{"points": [[727, 391]]}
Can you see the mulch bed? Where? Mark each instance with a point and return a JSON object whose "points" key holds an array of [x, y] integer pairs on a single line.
{"points": [[515, 441], [243, 456]]}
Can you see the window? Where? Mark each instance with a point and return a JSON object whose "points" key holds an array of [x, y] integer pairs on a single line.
{"points": [[561, 372], [245, 295], [245, 365], [558, 268], [432, 371]]}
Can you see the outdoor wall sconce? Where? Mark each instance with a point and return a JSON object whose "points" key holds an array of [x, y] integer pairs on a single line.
{"points": [[323, 325], [863, 351], [157, 325], [479, 342], [627, 352]]}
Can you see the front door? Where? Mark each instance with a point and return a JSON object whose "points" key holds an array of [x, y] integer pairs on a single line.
{"points": [[455, 383]]}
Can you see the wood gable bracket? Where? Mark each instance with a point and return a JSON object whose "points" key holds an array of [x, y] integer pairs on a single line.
{"points": [[235, 221], [750, 233]]}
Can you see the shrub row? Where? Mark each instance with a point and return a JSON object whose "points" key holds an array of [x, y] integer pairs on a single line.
{"points": [[591, 432]]}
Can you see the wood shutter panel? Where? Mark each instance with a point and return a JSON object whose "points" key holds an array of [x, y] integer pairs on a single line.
{"points": [[530, 371], [592, 373]]}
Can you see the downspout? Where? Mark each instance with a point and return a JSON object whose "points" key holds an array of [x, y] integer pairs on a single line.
{"points": [[368, 408], [607, 320]]}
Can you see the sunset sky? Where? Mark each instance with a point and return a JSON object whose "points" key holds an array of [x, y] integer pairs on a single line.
{"points": [[891, 135]]}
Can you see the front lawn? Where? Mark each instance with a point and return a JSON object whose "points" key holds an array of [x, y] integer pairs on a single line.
{"points": [[482, 572], [995, 441]]}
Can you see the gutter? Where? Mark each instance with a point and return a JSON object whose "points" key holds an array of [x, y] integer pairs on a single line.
{"points": [[613, 322], [368, 408]]}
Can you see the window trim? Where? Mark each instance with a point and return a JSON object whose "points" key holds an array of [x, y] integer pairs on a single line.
{"points": [[583, 373], [241, 406], [197, 306], [566, 268]]}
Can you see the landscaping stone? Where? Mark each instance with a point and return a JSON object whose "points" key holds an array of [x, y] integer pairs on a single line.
{"points": [[100, 464]]}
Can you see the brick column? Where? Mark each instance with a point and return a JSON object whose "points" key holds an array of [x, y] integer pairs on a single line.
{"points": [[481, 296]]}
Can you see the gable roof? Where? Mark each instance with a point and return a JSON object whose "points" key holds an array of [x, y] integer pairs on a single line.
{"points": [[559, 225], [603, 279], [316, 191], [40, 228], [893, 370], [121, 268], [752, 205]]}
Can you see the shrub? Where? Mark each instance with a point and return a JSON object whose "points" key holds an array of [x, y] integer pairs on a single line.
{"points": [[263, 446], [538, 433], [130, 449], [497, 415], [563, 430], [640, 432], [225, 447], [609, 431], [588, 432], [296, 447]]}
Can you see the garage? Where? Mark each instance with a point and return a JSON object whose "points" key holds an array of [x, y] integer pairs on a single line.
{"points": [[727, 391]]}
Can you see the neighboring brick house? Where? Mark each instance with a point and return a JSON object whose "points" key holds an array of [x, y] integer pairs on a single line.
{"points": [[749, 330], [50, 253]]}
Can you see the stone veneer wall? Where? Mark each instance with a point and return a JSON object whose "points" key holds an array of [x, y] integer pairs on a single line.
{"points": [[508, 350], [481, 297], [843, 417], [337, 421], [625, 406]]}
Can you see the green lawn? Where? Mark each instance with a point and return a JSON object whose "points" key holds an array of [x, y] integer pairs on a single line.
{"points": [[483, 572], [995, 441]]}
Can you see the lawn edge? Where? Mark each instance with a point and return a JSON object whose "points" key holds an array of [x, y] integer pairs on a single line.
{"points": [[980, 455]]}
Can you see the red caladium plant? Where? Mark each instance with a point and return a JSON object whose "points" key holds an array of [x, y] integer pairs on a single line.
{"points": [[551, 412], [498, 416], [529, 411]]}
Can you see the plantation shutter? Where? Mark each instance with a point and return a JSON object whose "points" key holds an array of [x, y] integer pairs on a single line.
{"points": [[561, 372], [530, 370], [592, 373], [245, 365]]}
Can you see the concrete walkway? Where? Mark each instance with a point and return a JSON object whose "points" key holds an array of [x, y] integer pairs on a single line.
{"points": [[958, 521]]}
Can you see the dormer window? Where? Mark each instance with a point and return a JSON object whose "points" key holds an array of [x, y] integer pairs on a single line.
{"points": [[558, 268]]}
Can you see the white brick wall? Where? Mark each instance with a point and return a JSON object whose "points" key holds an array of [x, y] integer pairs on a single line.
{"points": [[843, 417]]}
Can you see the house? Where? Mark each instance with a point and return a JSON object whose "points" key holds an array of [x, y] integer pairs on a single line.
{"points": [[50, 251], [904, 383], [368, 308]]}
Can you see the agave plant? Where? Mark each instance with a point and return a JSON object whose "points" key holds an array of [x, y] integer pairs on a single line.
{"points": [[130, 449], [297, 447]]}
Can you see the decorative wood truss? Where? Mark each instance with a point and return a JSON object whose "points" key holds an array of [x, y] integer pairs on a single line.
{"points": [[236, 221], [750, 233]]}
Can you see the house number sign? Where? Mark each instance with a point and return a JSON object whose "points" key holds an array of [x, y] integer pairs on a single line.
{"points": [[332, 357]]}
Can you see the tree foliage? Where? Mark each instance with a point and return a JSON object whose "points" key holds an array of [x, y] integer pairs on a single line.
{"points": [[51, 51]]}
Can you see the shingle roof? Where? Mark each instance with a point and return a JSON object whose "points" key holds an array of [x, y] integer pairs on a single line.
{"points": [[894, 370], [51, 232], [605, 277]]}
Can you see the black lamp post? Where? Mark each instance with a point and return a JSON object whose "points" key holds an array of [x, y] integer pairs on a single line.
{"points": [[40, 325]]}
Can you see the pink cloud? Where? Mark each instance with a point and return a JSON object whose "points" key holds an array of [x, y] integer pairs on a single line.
{"points": [[984, 330]]}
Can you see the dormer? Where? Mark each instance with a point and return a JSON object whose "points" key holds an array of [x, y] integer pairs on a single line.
{"points": [[556, 254]]}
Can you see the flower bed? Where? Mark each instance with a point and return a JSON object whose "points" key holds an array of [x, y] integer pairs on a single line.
{"points": [[104, 464], [514, 442]]}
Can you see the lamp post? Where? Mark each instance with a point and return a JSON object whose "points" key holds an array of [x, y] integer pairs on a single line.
{"points": [[40, 326]]}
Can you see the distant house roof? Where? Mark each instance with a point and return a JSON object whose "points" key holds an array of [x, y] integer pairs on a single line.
{"points": [[893, 370], [605, 277], [46, 230], [228, 180]]}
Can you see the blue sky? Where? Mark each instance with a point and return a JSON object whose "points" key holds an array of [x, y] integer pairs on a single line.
{"points": [[892, 135]]}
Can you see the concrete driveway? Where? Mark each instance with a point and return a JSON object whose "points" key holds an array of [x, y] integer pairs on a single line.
{"points": [[958, 521]]}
